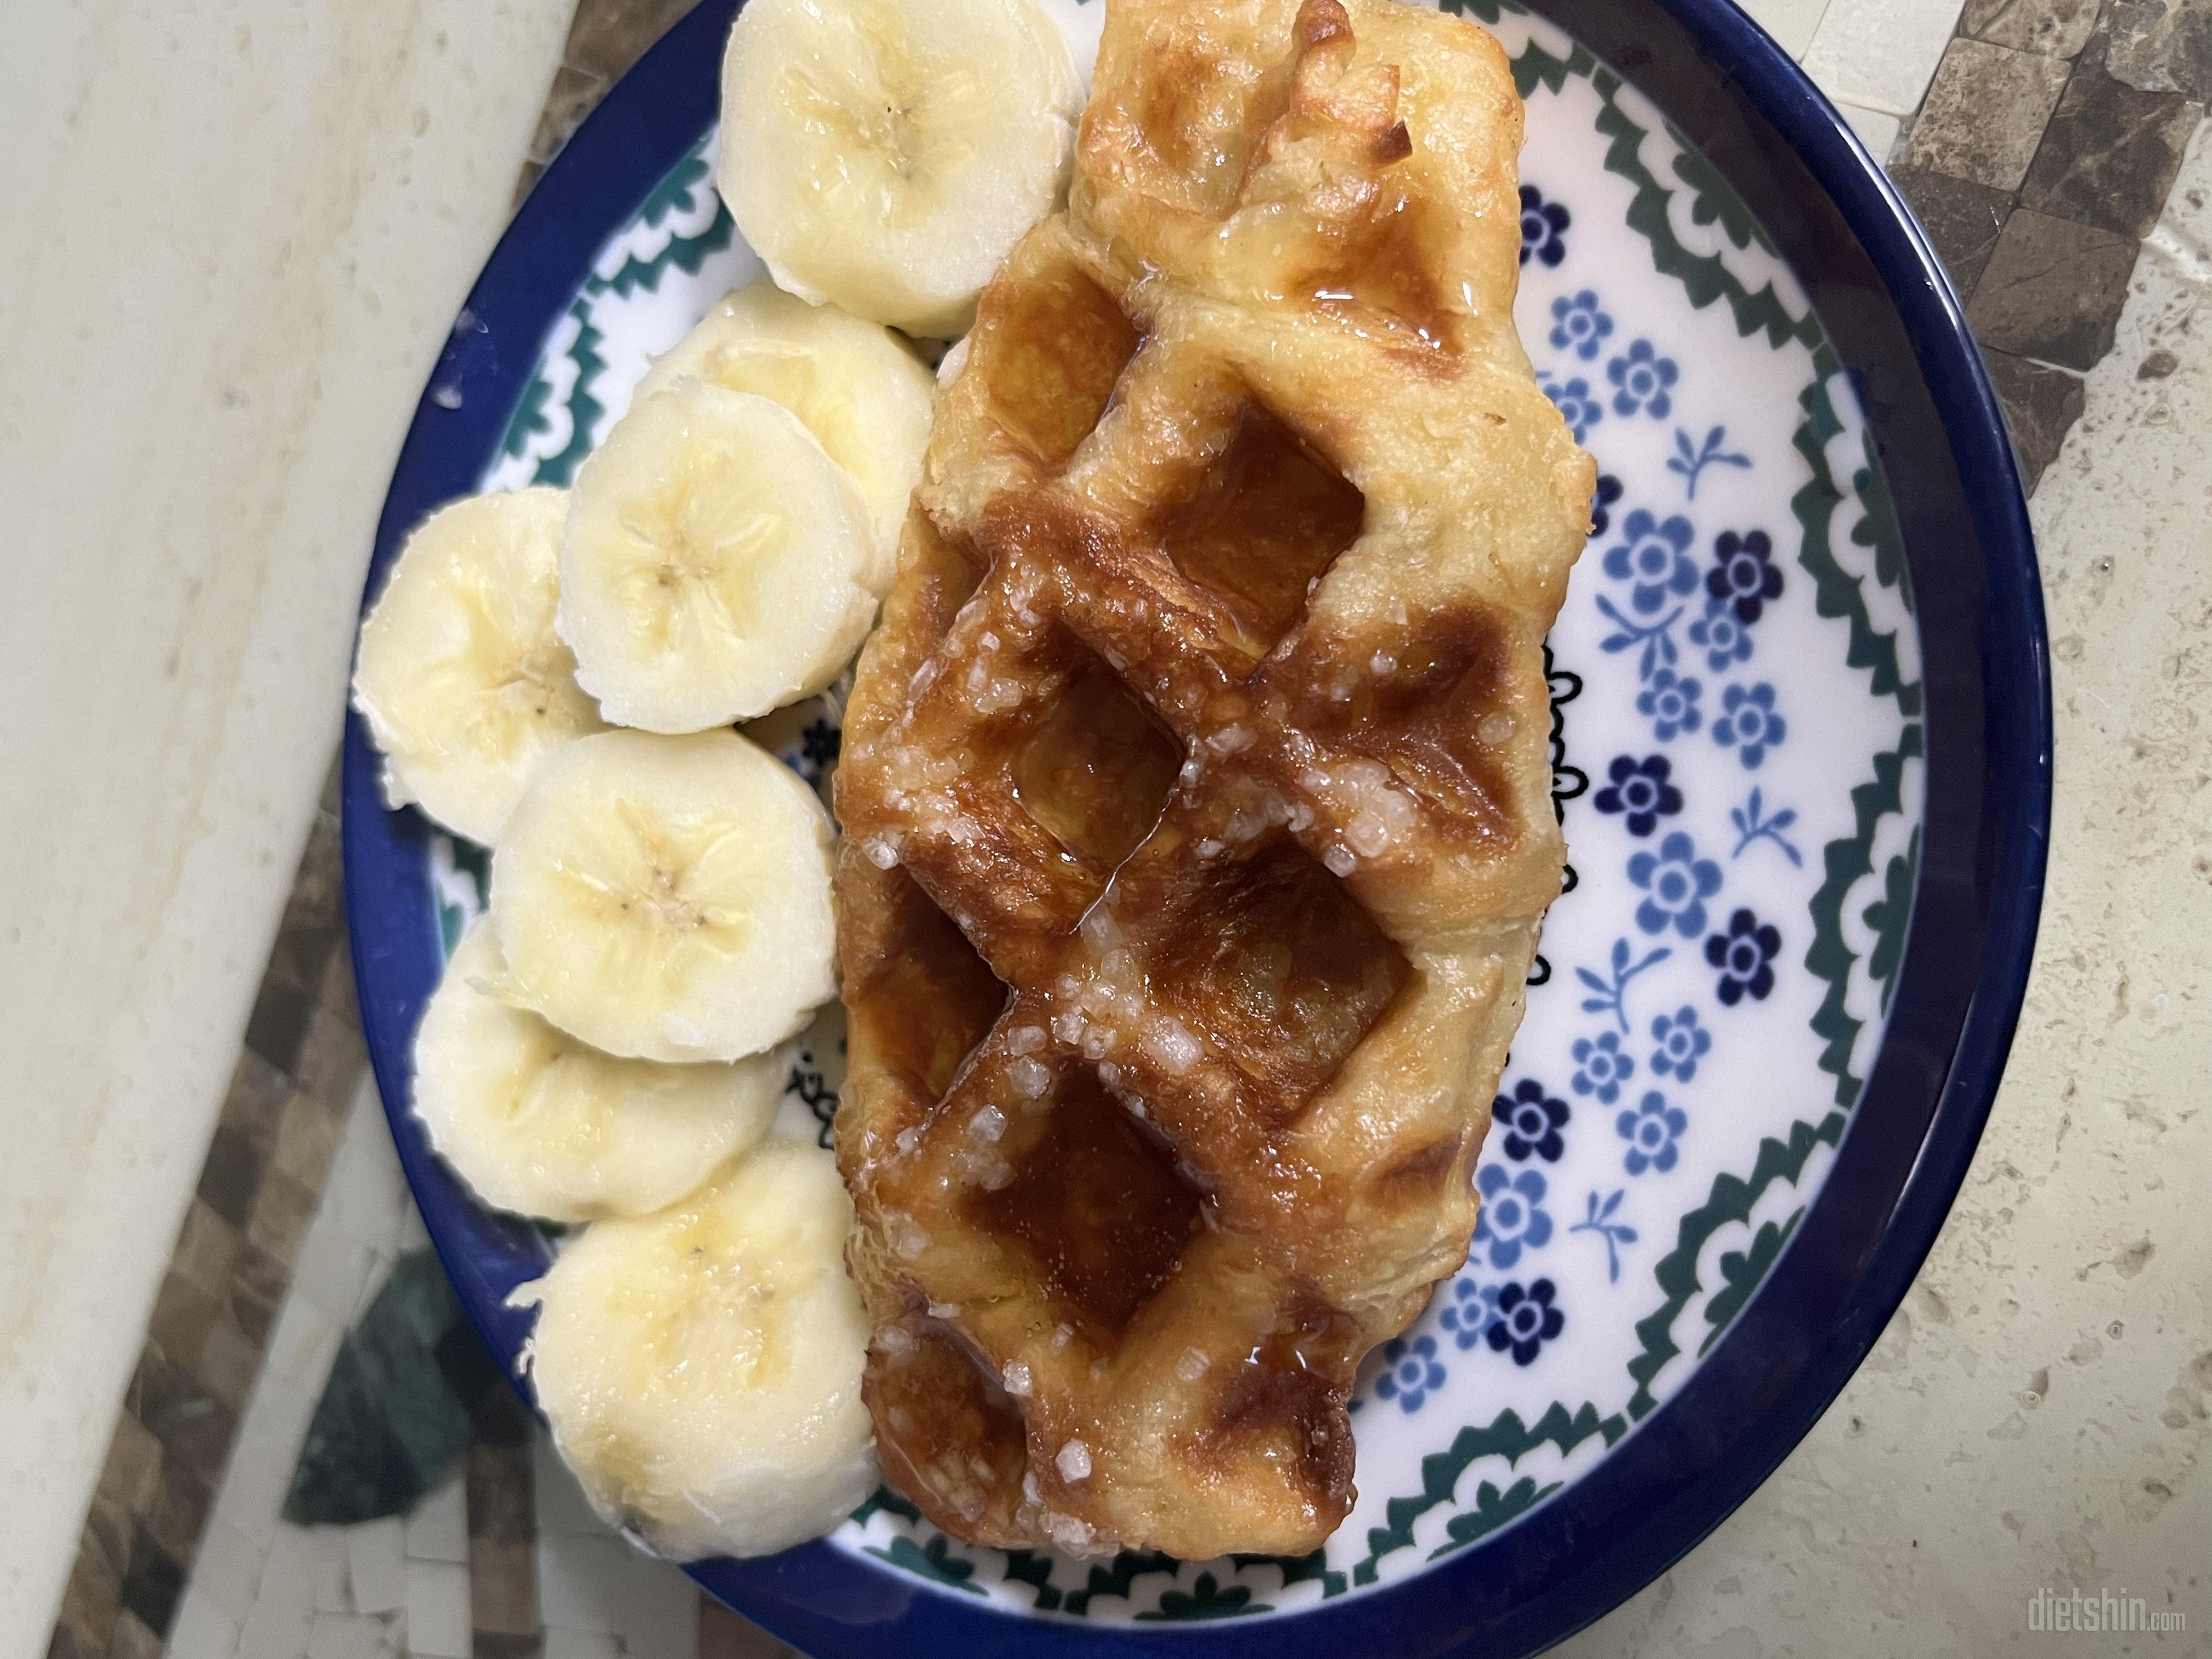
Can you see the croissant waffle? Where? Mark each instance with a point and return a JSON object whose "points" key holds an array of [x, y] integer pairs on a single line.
{"points": [[1196, 788]]}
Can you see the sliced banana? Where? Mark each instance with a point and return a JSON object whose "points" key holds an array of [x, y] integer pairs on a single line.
{"points": [[883, 157], [701, 1368], [863, 393], [666, 898], [717, 562], [540, 1124], [464, 683]]}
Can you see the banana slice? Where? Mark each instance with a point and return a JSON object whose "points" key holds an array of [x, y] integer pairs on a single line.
{"points": [[537, 1123], [863, 394], [463, 683], [883, 157], [717, 562], [701, 1368], [666, 898]]}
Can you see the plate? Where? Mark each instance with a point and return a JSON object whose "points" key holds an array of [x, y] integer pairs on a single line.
{"points": [[1801, 739]]}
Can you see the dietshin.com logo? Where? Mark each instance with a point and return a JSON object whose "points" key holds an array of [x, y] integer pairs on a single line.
{"points": [[2099, 1612]]}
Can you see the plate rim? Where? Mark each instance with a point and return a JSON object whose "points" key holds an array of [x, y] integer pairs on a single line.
{"points": [[819, 1595]]}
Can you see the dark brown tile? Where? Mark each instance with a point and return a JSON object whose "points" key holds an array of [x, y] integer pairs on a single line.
{"points": [[524, 182], [501, 1496], [2111, 153], [723, 1635], [575, 94], [180, 1512], [150, 1588], [1962, 219], [282, 1211], [2057, 28], [2163, 46], [133, 1640], [608, 36], [2041, 404], [2053, 290], [332, 1059], [337, 992], [182, 1313], [207, 1249], [278, 1024], [91, 1600], [108, 1530], [133, 1468], [256, 1291], [495, 1644], [245, 1139], [1985, 113], [313, 920]]}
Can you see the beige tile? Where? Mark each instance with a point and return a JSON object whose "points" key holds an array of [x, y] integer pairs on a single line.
{"points": [[133, 1640], [1876, 130], [437, 1610], [281, 1210], [608, 36], [207, 1249], [564, 1643], [438, 1526], [180, 1509], [1879, 54], [376, 1565], [354, 1636], [201, 1630], [1791, 22], [228, 1569], [307, 1137], [229, 1361]]}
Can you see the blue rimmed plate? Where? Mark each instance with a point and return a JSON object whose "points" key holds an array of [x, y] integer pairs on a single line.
{"points": [[1801, 750]]}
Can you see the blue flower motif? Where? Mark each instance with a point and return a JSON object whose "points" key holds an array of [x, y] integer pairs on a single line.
{"points": [[1532, 1121], [1744, 574], [1748, 718], [1414, 1373], [1602, 1068], [1652, 1130], [1577, 406], [1676, 883], [1682, 1043], [1671, 700], [1641, 378], [1601, 502], [1578, 325], [1641, 788], [1512, 1216], [1726, 639], [1745, 955], [1655, 557], [1543, 227], [1469, 1312], [1526, 1319]]}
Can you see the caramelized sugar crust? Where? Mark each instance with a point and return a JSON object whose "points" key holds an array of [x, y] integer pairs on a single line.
{"points": [[1195, 788]]}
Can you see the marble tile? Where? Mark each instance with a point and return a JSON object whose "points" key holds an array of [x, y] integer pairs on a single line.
{"points": [[154, 1581], [1877, 130], [229, 1360], [332, 1273], [278, 1025], [133, 1639], [133, 1473], [1985, 113], [438, 1609], [723, 1635], [376, 1563], [257, 1291], [438, 1527], [2112, 152], [1880, 54], [1791, 22], [182, 1313], [228, 1569], [656, 1611], [2052, 290], [561, 1505], [503, 1588], [281, 1210], [581, 1580], [179, 1511], [2163, 46], [333, 1057], [606, 39], [501, 1494], [354, 1636], [307, 1136], [203, 1629], [576, 93], [561, 1643], [207, 1249], [2057, 28], [91, 1603]]}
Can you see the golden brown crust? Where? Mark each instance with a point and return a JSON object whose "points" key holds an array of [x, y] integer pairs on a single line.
{"points": [[1196, 788]]}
